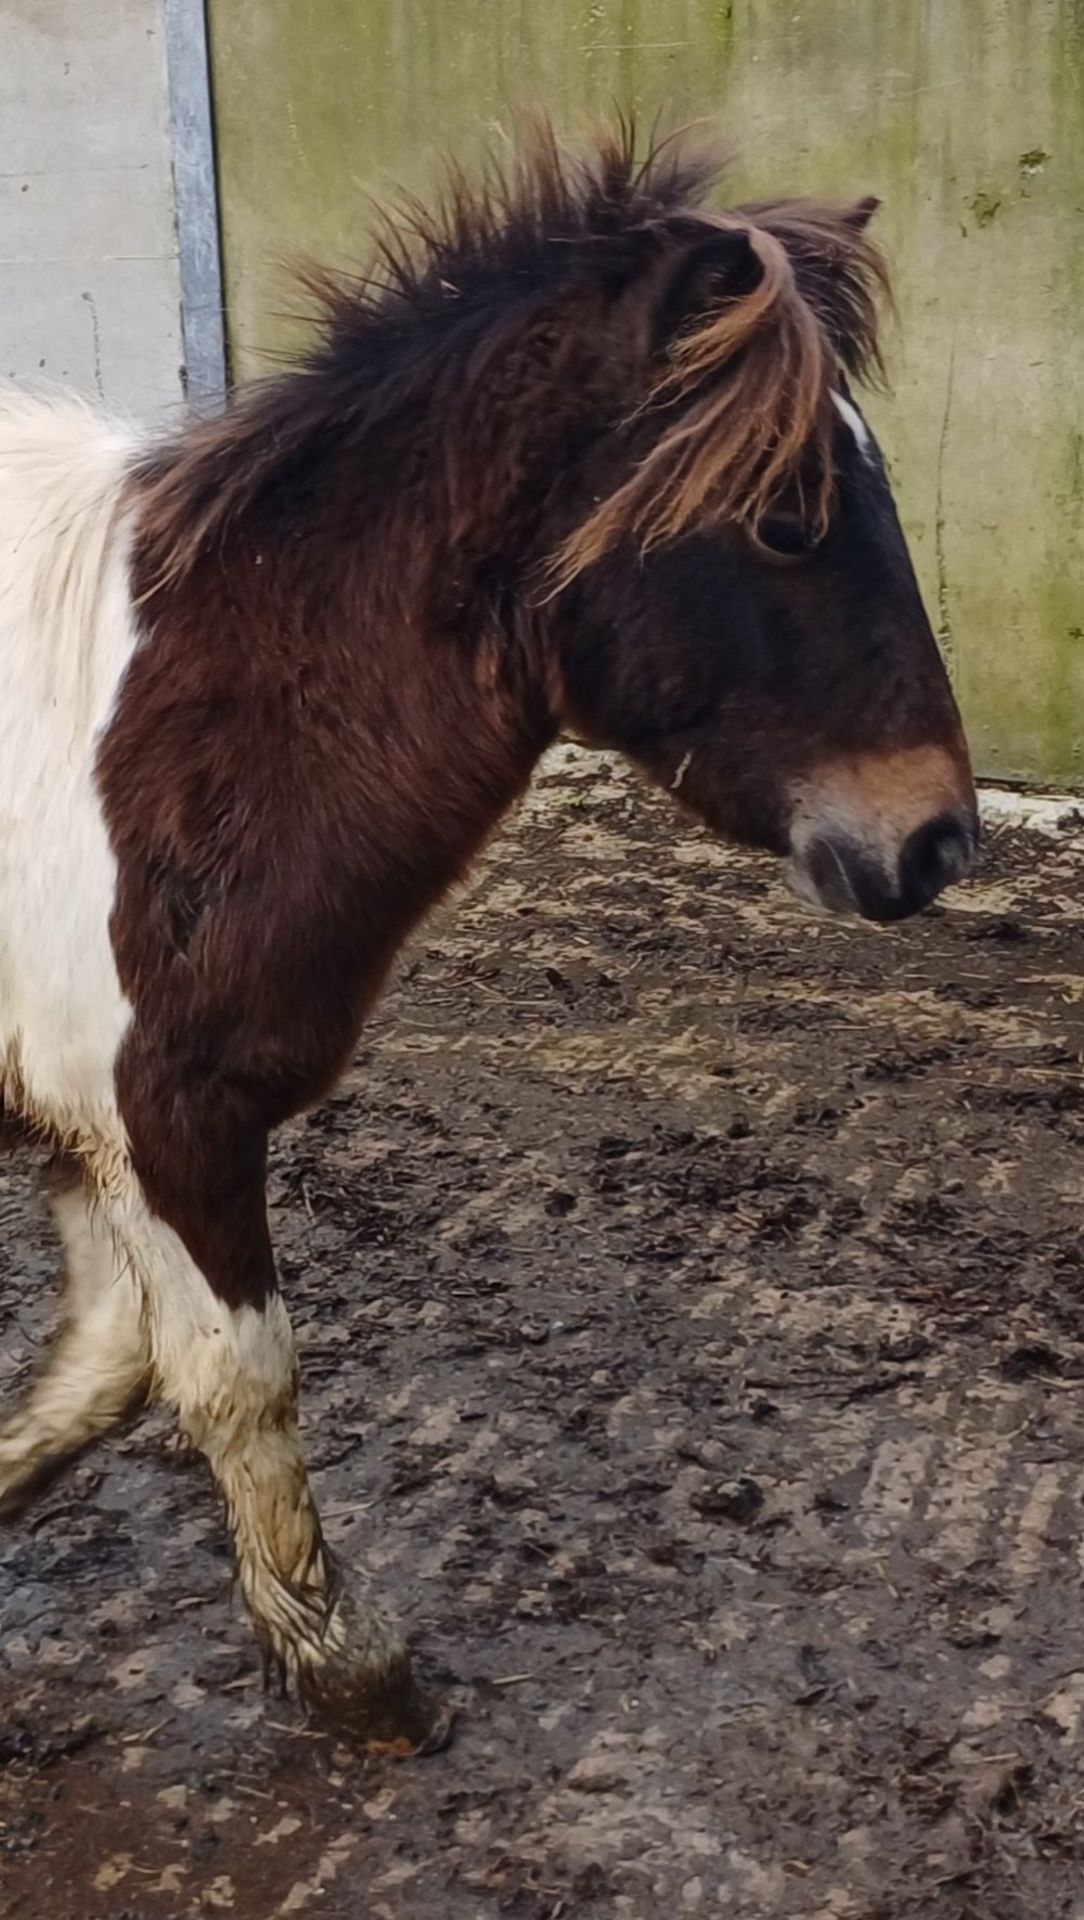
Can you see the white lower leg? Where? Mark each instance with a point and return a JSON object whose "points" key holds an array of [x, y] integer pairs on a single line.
{"points": [[98, 1369], [307, 1621], [231, 1376], [243, 1417]]}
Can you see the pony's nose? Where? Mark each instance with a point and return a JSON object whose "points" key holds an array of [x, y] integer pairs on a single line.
{"points": [[848, 877]]}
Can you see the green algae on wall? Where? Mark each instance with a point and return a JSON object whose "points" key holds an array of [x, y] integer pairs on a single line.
{"points": [[968, 120]]}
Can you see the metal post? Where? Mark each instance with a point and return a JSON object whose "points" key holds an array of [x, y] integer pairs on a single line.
{"points": [[195, 188]]}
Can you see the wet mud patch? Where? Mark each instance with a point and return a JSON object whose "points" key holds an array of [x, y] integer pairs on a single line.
{"points": [[689, 1301]]}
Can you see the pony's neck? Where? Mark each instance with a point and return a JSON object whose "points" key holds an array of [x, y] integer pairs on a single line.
{"points": [[329, 570], [294, 678]]}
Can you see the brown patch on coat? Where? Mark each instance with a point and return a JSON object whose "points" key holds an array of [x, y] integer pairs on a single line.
{"points": [[281, 814]]}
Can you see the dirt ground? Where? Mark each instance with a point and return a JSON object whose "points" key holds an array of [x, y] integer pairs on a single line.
{"points": [[689, 1296]]}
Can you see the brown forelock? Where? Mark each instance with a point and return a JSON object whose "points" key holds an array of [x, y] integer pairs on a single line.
{"points": [[840, 272], [747, 388]]}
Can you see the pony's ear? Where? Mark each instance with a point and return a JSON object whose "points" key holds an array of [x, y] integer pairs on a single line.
{"points": [[860, 215], [713, 266]]}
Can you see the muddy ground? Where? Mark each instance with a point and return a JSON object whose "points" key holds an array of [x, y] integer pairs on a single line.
{"points": [[689, 1295]]}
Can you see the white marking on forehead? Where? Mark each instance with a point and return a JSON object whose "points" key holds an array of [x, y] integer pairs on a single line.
{"points": [[850, 414]]}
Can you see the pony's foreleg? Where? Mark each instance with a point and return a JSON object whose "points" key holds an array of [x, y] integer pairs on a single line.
{"points": [[98, 1369], [224, 1359]]}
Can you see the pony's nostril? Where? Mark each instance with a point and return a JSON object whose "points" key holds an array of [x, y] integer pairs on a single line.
{"points": [[828, 877], [936, 855]]}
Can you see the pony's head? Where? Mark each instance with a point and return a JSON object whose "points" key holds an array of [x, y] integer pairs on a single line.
{"points": [[600, 448], [736, 606]]}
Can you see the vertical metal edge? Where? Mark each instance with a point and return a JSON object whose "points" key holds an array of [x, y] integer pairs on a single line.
{"points": [[195, 186]]}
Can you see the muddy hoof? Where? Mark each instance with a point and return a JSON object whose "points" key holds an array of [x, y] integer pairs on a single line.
{"points": [[384, 1712], [357, 1681]]}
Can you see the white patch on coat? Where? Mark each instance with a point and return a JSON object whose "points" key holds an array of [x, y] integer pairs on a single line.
{"points": [[849, 413], [67, 633], [230, 1375]]}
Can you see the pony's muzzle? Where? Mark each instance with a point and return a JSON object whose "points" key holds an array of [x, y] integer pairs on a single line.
{"points": [[846, 875]]}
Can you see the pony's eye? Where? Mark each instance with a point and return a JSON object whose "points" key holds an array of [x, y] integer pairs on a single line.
{"points": [[782, 536]]}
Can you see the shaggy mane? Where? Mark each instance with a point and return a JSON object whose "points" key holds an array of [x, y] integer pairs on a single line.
{"points": [[742, 394]]}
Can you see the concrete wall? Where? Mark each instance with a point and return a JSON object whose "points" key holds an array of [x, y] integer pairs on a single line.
{"points": [[89, 288], [965, 115]]}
